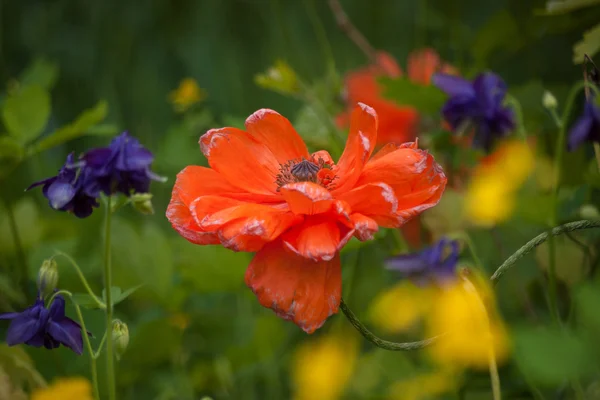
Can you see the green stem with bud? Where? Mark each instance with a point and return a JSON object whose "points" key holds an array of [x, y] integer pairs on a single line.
{"points": [[110, 360], [84, 281], [86, 339]]}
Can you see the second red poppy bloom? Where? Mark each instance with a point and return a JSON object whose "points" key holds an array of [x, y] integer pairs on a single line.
{"points": [[265, 193]]}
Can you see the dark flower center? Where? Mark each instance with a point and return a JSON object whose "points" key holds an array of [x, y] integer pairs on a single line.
{"points": [[305, 171]]}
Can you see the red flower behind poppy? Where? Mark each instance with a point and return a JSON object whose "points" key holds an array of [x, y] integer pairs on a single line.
{"points": [[265, 193], [397, 124]]}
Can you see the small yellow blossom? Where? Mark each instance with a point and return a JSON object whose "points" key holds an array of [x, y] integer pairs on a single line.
{"points": [[280, 78], [400, 307], [74, 388], [474, 333], [187, 94], [491, 196], [322, 368]]}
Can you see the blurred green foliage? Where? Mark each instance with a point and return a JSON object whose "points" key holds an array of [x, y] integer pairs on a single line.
{"points": [[76, 73]]}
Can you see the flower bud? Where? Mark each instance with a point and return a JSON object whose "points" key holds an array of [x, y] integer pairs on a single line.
{"points": [[120, 337], [47, 277], [142, 202], [280, 77], [549, 101]]}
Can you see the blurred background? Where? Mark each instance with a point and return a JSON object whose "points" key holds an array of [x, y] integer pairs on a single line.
{"points": [[196, 330]]}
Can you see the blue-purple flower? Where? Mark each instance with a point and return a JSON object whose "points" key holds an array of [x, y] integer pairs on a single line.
{"points": [[38, 326], [122, 167], [66, 191], [435, 264], [587, 127], [477, 104]]}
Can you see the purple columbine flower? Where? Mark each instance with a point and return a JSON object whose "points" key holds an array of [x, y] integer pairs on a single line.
{"points": [[38, 326], [435, 264], [66, 191], [587, 127], [122, 167], [478, 104]]}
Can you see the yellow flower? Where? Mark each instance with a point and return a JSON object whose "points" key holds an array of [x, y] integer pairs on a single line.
{"points": [[424, 386], [490, 198], [399, 307], [74, 388], [280, 78], [322, 368], [187, 94], [474, 333]]}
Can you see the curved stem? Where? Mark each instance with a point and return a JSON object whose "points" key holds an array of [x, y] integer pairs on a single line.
{"points": [[84, 281], [539, 239], [350, 30], [97, 353], [110, 362], [86, 340], [384, 344]]}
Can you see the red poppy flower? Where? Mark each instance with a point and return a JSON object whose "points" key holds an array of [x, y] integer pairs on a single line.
{"points": [[265, 193], [397, 124]]}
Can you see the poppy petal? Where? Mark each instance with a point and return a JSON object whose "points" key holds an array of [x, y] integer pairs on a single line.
{"points": [[417, 180], [307, 198], [277, 133], [241, 159], [365, 227], [297, 289], [318, 238], [360, 145], [422, 64], [242, 226], [375, 200]]}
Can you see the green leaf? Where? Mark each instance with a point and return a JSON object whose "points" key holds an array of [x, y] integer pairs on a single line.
{"points": [[428, 99], [41, 72], [85, 300], [79, 127], [25, 113], [589, 44], [11, 153], [549, 357], [117, 295], [554, 7]]}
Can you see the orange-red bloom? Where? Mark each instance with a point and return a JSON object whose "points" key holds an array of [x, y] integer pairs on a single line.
{"points": [[397, 124], [265, 193]]}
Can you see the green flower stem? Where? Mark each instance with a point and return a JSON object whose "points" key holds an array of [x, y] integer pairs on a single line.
{"points": [[538, 240], [384, 344], [512, 101], [100, 346], [110, 359], [23, 274], [464, 236], [86, 339], [84, 281], [560, 150], [597, 153]]}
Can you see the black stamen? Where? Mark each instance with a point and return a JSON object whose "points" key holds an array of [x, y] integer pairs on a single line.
{"points": [[305, 171]]}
